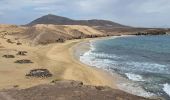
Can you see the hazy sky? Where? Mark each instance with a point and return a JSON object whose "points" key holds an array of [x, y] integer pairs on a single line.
{"points": [[150, 13]]}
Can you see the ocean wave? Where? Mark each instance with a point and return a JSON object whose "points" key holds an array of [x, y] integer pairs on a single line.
{"points": [[166, 88], [92, 52], [94, 61], [102, 55], [134, 77], [147, 67], [91, 43]]}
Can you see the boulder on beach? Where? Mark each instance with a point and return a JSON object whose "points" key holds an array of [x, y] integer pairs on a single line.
{"points": [[23, 61], [39, 73]]}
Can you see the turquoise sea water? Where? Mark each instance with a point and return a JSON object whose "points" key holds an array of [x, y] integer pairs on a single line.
{"points": [[144, 60]]}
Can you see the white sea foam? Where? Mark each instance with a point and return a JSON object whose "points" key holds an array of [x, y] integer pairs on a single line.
{"points": [[92, 45], [134, 89], [166, 88], [134, 77], [93, 61]]}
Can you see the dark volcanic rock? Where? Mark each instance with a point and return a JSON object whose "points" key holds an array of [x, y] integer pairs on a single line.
{"points": [[70, 90], [151, 32], [23, 61], [39, 73]]}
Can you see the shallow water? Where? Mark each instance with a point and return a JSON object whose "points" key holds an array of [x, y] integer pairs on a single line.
{"points": [[145, 60]]}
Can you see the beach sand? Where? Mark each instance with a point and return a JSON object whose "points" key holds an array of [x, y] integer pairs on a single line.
{"points": [[58, 58]]}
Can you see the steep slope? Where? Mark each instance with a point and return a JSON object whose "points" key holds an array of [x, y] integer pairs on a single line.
{"points": [[58, 20], [44, 34]]}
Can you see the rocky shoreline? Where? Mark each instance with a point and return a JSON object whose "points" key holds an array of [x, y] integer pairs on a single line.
{"points": [[152, 32]]}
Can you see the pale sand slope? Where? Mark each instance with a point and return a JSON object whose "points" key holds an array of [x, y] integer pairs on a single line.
{"points": [[45, 34], [55, 57]]}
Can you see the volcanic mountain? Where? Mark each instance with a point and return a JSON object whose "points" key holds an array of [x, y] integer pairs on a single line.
{"points": [[58, 20]]}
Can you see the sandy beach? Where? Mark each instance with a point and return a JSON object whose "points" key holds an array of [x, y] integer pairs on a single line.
{"points": [[57, 58]]}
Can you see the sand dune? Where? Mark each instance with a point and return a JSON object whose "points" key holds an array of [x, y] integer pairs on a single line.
{"points": [[44, 34]]}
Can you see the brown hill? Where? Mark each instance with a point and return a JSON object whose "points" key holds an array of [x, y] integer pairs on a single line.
{"points": [[58, 20]]}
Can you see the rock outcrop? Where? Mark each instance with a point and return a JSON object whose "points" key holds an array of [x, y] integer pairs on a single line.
{"points": [[152, 32]]}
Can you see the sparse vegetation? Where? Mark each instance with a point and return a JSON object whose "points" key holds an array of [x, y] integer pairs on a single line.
{"points": [[22, 53], [23, 61], [56, 80], [8, 56], [39, 73], [60, 40], [9, 41], [18, 43]]}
